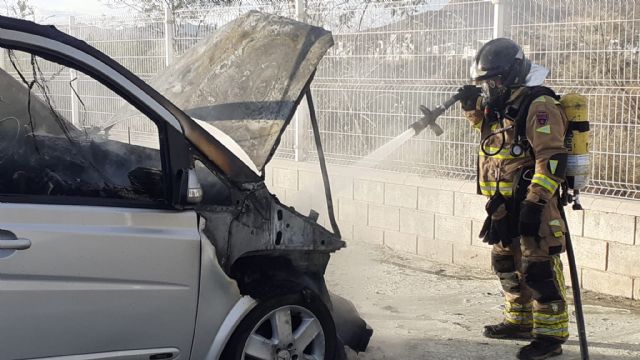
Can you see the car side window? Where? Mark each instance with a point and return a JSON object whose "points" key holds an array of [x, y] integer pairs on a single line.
{"points": [[65, 135]]}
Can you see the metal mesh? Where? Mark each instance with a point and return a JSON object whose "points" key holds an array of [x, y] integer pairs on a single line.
{"points": [[387, 60], [592, 47], [391, 56]]}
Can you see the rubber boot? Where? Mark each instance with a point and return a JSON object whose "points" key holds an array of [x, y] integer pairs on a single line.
{"points": [[507, 331], [541, 348]]}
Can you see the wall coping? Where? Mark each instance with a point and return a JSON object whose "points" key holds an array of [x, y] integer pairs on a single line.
{"points": [[589, 202]]}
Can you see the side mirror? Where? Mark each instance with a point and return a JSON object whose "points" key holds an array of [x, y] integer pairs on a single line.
{"points": [[189, 188]]}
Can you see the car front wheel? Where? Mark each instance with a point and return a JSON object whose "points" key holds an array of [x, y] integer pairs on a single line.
{"points": [[290, 327]]}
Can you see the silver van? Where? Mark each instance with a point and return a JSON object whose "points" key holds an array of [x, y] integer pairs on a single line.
{"points": [[134, 219]]}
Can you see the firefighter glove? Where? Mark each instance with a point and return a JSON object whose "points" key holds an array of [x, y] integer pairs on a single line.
{"points": [[468, 95], [530, 218], [498, 230]]}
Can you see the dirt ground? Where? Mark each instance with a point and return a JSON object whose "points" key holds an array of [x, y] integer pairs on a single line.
{"points": [[424, 310]]}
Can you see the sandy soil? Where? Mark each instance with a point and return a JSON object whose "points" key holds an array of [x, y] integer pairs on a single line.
{"points": [[424, 310]]}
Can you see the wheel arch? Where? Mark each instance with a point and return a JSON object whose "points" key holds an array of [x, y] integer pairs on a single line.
{"points": [[242, 307]]}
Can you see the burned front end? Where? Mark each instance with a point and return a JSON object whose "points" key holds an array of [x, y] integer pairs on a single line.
{"points": [[242, 85]]}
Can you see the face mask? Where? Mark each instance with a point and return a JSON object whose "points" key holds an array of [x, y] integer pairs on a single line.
{"points": [[494, 93]]}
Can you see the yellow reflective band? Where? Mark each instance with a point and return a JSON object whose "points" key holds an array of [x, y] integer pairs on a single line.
{"points": [[489, 188], [477, 125], [554, 222], [553, 165], [517, 307], [558, 234], [559, 278], [518, 321], [546, 182], [562, 333]]}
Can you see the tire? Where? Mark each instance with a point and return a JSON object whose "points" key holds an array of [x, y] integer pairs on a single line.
{"points": [[312, 327]]}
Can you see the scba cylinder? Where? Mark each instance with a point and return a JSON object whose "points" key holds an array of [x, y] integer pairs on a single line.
{"points": [[577, 140]]}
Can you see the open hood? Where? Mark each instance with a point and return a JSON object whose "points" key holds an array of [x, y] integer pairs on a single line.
{"points": [[247, 79]]}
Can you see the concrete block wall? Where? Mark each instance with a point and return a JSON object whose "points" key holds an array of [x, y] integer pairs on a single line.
{"points": [[440, 219]]}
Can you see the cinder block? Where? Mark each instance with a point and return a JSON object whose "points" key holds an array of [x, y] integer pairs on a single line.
{"points": [[472, 256], [590, 253], [309, 181], [438, 250], [401, 195], [285, 178], [470, 206], [476, 226], [438, 201], [605, 204], [575, 221], [624, 259], [453, 228], [346, 230], [608, 283], [369, 235], [417, 222], [341, 186], [353, 211], [369, 191], [609, 226], [401, 241], [384, 217]]}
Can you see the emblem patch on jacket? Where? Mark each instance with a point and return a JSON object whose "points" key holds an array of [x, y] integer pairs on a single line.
{"points": [[544, 129], [542, 117]]}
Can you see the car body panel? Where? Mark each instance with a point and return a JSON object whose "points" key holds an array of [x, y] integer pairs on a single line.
{"points": [[97, 279], [220, 305]]}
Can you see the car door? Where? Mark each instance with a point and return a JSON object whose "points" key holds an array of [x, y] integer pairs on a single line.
{"points": [[94, 262]]}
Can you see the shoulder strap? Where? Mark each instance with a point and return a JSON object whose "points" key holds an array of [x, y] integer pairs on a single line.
{"points": [[523, 110]]}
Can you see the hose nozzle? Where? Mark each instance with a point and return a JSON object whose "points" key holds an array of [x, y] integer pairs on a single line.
{"points": [[430, 116]]}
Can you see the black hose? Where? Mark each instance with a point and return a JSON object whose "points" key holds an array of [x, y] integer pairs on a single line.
{"points": [[575, 287]]}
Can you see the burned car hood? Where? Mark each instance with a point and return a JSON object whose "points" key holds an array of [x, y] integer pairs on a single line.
{"points": [[247, 79]]}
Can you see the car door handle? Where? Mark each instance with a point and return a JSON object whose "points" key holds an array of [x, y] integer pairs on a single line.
{"points": [[17, 244]]}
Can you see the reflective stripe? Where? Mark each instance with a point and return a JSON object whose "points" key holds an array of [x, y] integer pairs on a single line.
{"points": [[503, 154], [556, 325], [518, 314], [489, 188], [517, 307], [559, 276], [562, 333], [477, 125], [545, 181], [551, 319]]}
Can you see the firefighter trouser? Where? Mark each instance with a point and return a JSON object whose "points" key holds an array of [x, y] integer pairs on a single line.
{"points": [[530, 272]]}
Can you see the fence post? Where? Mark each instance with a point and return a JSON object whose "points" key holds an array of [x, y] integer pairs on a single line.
{"points": [[169, 22], [73, 84], [501, 18], [301, 119]]}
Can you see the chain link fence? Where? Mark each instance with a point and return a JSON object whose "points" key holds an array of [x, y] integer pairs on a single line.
{"points": [[392, 56]]}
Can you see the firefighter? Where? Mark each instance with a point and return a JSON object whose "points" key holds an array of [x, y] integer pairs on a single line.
{"points": [[522, 163]]}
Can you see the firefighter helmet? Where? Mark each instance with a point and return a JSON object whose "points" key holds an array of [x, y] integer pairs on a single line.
{"points": [[499, 66], [502, 58]]}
